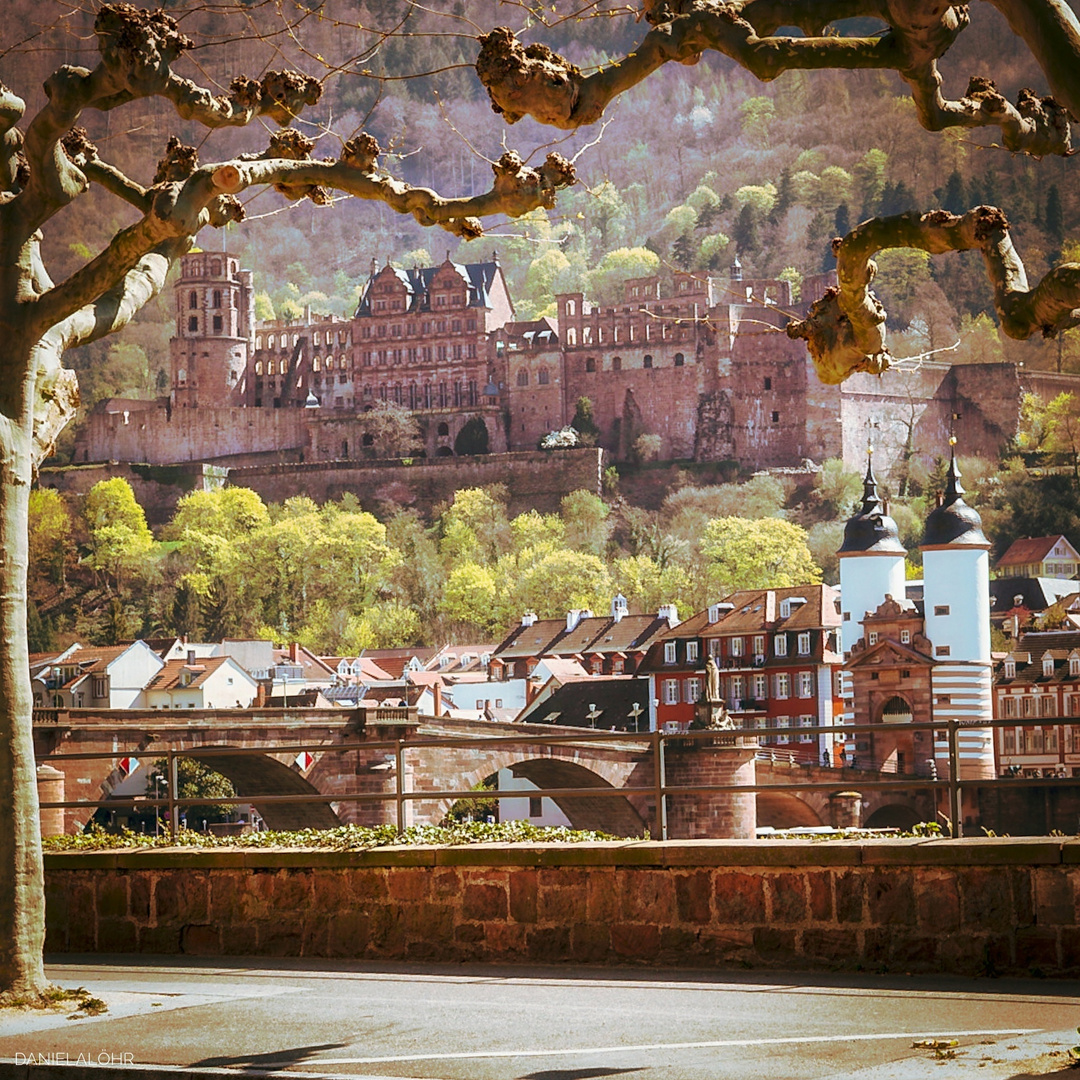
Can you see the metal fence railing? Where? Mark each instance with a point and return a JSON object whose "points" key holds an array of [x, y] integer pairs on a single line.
{"points": [[815, 777]]}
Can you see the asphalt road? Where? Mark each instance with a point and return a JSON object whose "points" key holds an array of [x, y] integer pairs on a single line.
{"points": [[468, 1022]]}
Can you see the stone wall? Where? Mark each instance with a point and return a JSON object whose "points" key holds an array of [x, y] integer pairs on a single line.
{"points": [[967, 907], [535, 480]]}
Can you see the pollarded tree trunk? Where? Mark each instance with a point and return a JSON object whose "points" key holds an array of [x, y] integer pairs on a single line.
{"points": [[42, 170], [22, 893]]}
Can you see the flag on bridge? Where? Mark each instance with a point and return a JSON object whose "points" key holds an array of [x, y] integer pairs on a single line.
{"points": [[305, 760], [128, 765]]}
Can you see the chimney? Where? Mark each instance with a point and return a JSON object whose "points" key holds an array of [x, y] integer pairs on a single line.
{"points": [[573, 617], [436, 691], [532, 689], [619, 607], [528, 618], [669, 612], [770, 606], [190, 657], [294, 651]]}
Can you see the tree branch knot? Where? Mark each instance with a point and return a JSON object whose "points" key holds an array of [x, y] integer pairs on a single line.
{"points": [[362, 152], [178, 163], [140, 43], [285, 93], [527, 80]]}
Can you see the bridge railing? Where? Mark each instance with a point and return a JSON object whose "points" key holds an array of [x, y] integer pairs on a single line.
{"points": [[868, 776]]}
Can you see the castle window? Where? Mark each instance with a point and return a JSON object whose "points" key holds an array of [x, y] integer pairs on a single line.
{"points": [[215, 268], [316, 364], [329, 363], [776, 418], [217, 324], [616, 363], [523, 378], [258, 367], [768, 384], [217, 298], [647, 362], [270, 342], [193, 324], [542, 376], [905, 637], [571, 336], [590, 364], [586, 335], [193, 300], [258, 341], [181, 376], [571, 307], [316, 338], [443, 429], [679, 359], [283, 367]]}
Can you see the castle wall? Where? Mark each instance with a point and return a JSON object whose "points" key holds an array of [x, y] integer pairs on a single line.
{"points": [[162, 435], [537, 480]]}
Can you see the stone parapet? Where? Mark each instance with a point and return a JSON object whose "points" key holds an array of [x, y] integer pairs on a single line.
{"points": [[966, 907]]}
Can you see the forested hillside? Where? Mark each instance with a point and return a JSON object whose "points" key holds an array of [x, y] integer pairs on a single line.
{"points": [[691, 167]]}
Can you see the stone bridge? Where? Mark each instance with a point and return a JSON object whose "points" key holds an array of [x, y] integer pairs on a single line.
{"points": [[353, 758]]}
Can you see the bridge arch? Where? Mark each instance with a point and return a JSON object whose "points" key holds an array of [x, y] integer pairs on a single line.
{"points": [[254, 774], [893, 816], [625, 816], [782, 810]]}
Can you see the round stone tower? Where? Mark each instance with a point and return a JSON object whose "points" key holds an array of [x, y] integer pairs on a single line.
{"points": [[215, 315], [956, 595]]}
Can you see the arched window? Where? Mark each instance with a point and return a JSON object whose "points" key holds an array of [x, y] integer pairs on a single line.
{"points": [[590, 364], [258, 367], [571, 307], [215, 268], [896, 711], [270, 341], [193, 300], [329, 363], [647, 362], [316, 364], [523, 377], [586, 335], [443, 428], [428, 396], [181, 376], [679, 359], [283, 367], [616, 363], [542, 376], [258, 341], [316, 338], [232, 269], [571, 336]]}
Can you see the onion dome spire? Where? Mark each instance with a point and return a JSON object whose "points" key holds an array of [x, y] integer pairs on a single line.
{"points": [[953, 523], [871, 530]]}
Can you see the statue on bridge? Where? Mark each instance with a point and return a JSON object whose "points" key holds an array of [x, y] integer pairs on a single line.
{"points": [[716, 716]]}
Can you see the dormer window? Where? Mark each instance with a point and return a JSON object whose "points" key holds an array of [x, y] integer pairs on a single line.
{"points": [[669, 652], [1074, 665], [1010, 669], [691, 652], [780, 644], [1048, 665]]}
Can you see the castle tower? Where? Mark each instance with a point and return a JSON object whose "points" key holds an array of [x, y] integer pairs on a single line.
{"points": [[215, 316], [956, 592]]}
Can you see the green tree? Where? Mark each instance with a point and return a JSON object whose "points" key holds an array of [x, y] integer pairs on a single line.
{"points": [[194, 780], [118, 534], [588, 522], [836, 489], [605, 282], [49, 530], [469, 597], [763, 554], [584, 423]]}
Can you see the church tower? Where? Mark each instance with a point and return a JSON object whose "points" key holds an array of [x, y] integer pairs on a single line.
{"points": [[215, 317], [956, 595]]}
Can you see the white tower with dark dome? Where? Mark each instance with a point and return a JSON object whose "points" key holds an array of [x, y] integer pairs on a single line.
{"points": [[871, 568], [956, 595]]}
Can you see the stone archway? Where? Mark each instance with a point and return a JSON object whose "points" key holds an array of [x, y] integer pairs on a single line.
{"points": [[258, 774], [784, 811], [897, 710], [892, 816], [603, 813]]}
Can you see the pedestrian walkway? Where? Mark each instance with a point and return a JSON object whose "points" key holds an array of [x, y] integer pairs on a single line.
{"points": [[198, 1019]]}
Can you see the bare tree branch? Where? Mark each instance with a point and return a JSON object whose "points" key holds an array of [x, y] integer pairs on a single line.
{"points": [[534, 81], [845, 330]]}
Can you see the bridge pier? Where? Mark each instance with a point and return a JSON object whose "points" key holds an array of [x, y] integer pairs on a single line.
{"points": [[722, 815]]}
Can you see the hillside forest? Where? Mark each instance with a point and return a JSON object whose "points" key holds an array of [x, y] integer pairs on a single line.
{"points": [[344, 577], [688, 170]]}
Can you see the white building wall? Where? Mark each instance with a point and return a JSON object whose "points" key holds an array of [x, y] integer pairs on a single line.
{"points": [[518, 809], [128, 675]]}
